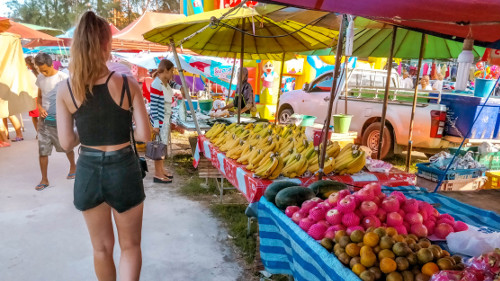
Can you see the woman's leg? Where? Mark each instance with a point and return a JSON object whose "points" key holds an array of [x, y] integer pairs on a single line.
{"points": [[129, 226], [100, 228], [35, 123], [17, 126]]}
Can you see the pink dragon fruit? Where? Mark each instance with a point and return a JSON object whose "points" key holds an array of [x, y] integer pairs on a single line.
{"points": [[350, 219], [334, 216], [317, 231], [368, 208]]}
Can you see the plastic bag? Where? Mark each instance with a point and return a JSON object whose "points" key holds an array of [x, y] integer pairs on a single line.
{"points": [[487, 147], [474, 241]]}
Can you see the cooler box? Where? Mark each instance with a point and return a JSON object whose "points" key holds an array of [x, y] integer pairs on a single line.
{"points": [[462, 111]]}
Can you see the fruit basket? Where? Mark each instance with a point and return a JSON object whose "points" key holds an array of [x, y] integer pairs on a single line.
{"points": [[433, 174]]}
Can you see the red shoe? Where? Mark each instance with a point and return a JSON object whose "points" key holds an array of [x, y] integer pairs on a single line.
{"points": [[4, 144]]}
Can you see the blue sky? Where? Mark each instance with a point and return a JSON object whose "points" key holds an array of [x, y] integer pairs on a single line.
{"points": [[4, 10]]}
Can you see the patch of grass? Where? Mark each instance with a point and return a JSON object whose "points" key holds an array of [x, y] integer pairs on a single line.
{"points": [[183, 164], [236, 220], [399, 161], [194, 187]]}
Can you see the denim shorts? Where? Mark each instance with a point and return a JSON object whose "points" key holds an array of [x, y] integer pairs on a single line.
{"points": [[112, 177]]}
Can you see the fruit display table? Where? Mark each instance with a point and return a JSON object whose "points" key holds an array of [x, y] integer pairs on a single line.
{"points": [[286, 249], [253, 188]]}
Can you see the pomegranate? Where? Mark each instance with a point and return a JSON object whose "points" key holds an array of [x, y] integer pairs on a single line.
{"points": [[394, 219], [414, 218], [442, 230], [419, 229]]}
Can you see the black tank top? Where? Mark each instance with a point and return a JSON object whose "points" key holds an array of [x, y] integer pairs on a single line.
{"points": [[99, 120]]}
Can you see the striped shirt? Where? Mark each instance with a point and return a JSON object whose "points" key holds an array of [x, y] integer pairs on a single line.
{"points": [[159, 96]]}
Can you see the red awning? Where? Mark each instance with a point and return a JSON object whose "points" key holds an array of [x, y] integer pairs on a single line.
{"points": [[450, 18], [28, 33], [4, 24]]}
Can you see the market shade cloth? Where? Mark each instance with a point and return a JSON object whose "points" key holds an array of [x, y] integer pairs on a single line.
{"points": [[130, 38], [377, 42], [29, 33], [4, 24], [63, 42], [44, 29], [286, 249], [479, 18], [492, 56], [17, 83], [224, 41]]}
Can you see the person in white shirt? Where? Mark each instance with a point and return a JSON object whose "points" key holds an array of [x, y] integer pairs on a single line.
{"points": [[407, 82], [424, 83], [438, 85]]}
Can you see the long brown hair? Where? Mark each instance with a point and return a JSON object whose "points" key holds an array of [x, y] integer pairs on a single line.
{"points": [[88, 58]]}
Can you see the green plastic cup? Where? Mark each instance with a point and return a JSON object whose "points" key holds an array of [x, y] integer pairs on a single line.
{"points": [[341, 123]]}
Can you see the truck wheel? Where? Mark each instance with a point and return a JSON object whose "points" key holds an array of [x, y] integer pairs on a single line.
{"points": [[371, 137], [285, 115]]}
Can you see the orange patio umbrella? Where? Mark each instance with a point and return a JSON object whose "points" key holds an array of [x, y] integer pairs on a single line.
{"points": [[4, 24], [25, 32]]}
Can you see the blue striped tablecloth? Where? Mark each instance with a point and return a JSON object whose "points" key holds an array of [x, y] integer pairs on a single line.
{"points": [[286, 249]]}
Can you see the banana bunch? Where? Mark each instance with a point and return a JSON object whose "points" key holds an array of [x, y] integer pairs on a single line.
{"points": [[235, 152], [231, 142], [270, 167], [350, 160], [295, 166], [215, 130]]}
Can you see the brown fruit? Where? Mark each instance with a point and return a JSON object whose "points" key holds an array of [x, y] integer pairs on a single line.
{"points": [[354, 261], [388, 265], [358, 268], [391, 231], [352, 250], [371, 239], [360, 244], [415, 247], [459, 266], [386, 242], [430, 269], [399, 238], [413, 236], [424, 243], [457, 259], [376, 271], [377, 249], [370, 229], [446, 253], [436, 251], [401, 249], [344, 258], [368, 259], [415, 270], [365, 249], [412, 258], [408, 276], [402, 263], [386, 253], [445, 264], [380, 231], [425, 255], [410, 241], [394, 276], [422, 277], [336, 248], [344, 240], [357, 236], [339, 234], [367, 276], [327, 243]]}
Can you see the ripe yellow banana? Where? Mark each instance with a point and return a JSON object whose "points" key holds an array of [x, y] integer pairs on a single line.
{"points": [[277, 171]]}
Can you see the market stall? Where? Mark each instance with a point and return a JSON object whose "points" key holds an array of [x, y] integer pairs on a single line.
{"points": [[286, 248]]}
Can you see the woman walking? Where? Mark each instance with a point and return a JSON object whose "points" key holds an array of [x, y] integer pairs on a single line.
{"points": [[108, 179]]}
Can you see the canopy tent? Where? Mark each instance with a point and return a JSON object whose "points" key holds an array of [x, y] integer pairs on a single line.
{"points": [[49, 50], [36, 36], [266, 39], [4, 24], [456, 19], [130, 38], [17, 83], [49, 30]]}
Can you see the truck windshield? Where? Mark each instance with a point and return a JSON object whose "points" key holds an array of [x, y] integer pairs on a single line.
{"points": [[323, 84]]}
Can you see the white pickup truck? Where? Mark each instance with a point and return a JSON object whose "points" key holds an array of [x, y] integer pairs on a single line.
{"points": [[365, 93]]}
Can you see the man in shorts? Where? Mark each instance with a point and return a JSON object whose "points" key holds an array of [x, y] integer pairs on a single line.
{"points": [[47, 83]]}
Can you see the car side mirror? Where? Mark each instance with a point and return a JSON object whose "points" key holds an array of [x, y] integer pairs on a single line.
{"points": [[305, 87]]}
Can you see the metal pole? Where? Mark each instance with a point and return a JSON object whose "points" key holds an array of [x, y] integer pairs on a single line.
{"points": [[415, 92], [185, 87], [345, 87], [338, 56], [240, 94], [279, 89], [232, 76], [386, 95]]}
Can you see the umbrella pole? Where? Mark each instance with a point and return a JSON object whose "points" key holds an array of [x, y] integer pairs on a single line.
{"points": [[410, 134], [240, 94], [386, 95], [338, 56], [232, 76], [185, 87], [345, 87], [279, 89]]}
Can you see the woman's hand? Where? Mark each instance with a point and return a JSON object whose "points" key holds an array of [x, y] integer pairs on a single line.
{"points": [[156, 131]]}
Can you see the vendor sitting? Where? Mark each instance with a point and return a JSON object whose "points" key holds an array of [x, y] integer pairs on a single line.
{"points": [[247, 100]]}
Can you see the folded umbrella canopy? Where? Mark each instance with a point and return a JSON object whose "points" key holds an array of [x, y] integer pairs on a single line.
{"points": [[455, 19], [264, 37]]}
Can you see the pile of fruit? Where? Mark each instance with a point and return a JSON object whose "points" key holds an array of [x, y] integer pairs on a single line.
{"points": [[483, 268], [271, 150], [384, 254]]}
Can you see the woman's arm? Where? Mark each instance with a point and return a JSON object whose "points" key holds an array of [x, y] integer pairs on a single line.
{"points": [[68, 137], [142, 131]]}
